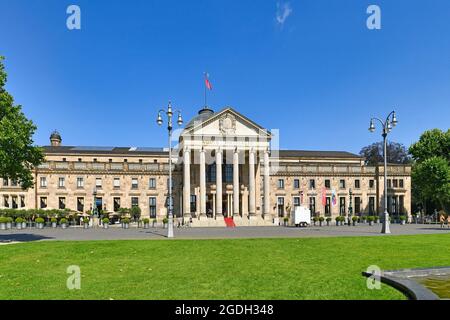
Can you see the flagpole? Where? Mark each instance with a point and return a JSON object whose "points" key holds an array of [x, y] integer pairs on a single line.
{"points": [[204, 74]]}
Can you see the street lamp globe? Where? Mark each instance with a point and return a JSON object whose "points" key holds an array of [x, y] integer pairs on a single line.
{"points": [[394, 119], [180, 119], [159, 120], [372, 126]]}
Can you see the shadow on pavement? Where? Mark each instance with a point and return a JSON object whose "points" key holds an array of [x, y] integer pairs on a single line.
{"points": [[22, 237]]}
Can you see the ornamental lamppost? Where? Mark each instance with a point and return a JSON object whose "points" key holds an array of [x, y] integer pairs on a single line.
{"points": [[159, 120], [94, 205], [387, 125]]}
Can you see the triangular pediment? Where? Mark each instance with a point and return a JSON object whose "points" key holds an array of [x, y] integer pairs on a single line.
{"points": [[227, 122]]}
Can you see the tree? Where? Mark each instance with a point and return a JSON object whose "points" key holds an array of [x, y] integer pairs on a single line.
{"points": [[432, 180], [431, 169], [135, 212], [396, 153], [18, 155], [432, 143]]}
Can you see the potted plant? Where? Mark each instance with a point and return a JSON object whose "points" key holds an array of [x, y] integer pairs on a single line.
{"points": [[371, 219], [19, 222], [2, 223], [154, 222], [338, 220], [364, 219], [321, 220], [9, 222], [53, 221], [402, 220], [86, 222], [355, 220], [286, 221], [165, 222], [39, 223], [63, 223], [146, 222], [125, 223], [315, 219], [376, 219], [105, 222], [328, 221]]}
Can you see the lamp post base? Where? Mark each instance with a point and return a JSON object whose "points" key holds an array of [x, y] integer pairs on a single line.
{"points": [[385, 229], [170, 228]]}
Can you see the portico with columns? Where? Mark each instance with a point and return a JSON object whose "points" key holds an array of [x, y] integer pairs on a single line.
{"points": [[224, 156]]}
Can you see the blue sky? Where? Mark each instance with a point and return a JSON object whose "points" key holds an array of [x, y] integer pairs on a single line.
{"points": [[316, 73]]}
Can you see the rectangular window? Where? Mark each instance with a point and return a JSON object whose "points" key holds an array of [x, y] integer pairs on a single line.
{"points": [[62, 202], [371, 206], [22, 201], [341, 184], [342, 206], [357, 184], [211, 173], [14, 202], [389, 183], [43, 182], [395, 183], [296, 202], [61, 182], [328, 206], [401, 204], [134, 201], [43, 202], [358, 206], [116, 183], [371, 184], [134, 183], [401, 183], [80, 204], [280, 183], [80, 183], [98, 183], [152, 205], [193, 203], [5, 182], [228, 173], [280, 205], [152, 183], [13, 183], [6, 201], [312, 184], [312, 205], [327, 184], [296, 184], [116, 204]]}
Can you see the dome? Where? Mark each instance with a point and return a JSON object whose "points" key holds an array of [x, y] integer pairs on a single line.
{"points": [[55, 136], [204, 114]]}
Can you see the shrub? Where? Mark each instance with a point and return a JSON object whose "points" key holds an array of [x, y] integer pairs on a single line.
{"points": [[328, 219], [285, 219], [321, 219], [85, 220], [165, 220], [402, 218], [39, 220], [3, 220], [370, 218], [19, 220], [146, 220], [355, 218], [125, 220], [63, 221], [53, 220], [315, 219], [338, 218], [105, 220]]}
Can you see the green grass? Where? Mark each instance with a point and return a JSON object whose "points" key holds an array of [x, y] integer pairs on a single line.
{"points": [[313, 268]]}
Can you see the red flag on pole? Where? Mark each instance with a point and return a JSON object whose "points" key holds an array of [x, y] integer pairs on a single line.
{"points": [[207, 82]]}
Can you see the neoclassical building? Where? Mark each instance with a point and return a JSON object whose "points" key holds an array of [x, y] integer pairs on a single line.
{"points": [[224, 166]]}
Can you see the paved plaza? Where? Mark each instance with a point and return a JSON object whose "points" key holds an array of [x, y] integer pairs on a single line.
{"points": [[134, 233]]}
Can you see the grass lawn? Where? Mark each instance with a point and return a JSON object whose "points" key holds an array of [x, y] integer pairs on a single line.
{"points": [[313, 268]]}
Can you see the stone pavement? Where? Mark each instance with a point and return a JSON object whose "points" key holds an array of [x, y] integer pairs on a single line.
{"points": [[115, 233]]}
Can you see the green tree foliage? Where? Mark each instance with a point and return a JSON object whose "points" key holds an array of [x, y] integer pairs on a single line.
{"points": [[18, 155], [431, 170], [396, 153]]}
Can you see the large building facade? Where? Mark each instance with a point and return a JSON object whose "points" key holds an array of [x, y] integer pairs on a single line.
{"points": [[224, 165]]}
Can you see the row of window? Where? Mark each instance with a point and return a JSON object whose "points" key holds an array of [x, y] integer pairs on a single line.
{"points": [[14, 201], [80, 206], [327, 182], [395, 183], [99, 183], [395, 205]]}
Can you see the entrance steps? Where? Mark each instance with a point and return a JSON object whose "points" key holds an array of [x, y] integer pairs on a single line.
{"points": [[236, 221]]}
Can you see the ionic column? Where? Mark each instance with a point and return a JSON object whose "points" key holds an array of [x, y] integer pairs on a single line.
{"points": [[202, 183], [251, 185], [236, 183], [187, 184], [219, 183], [266, 184]]}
